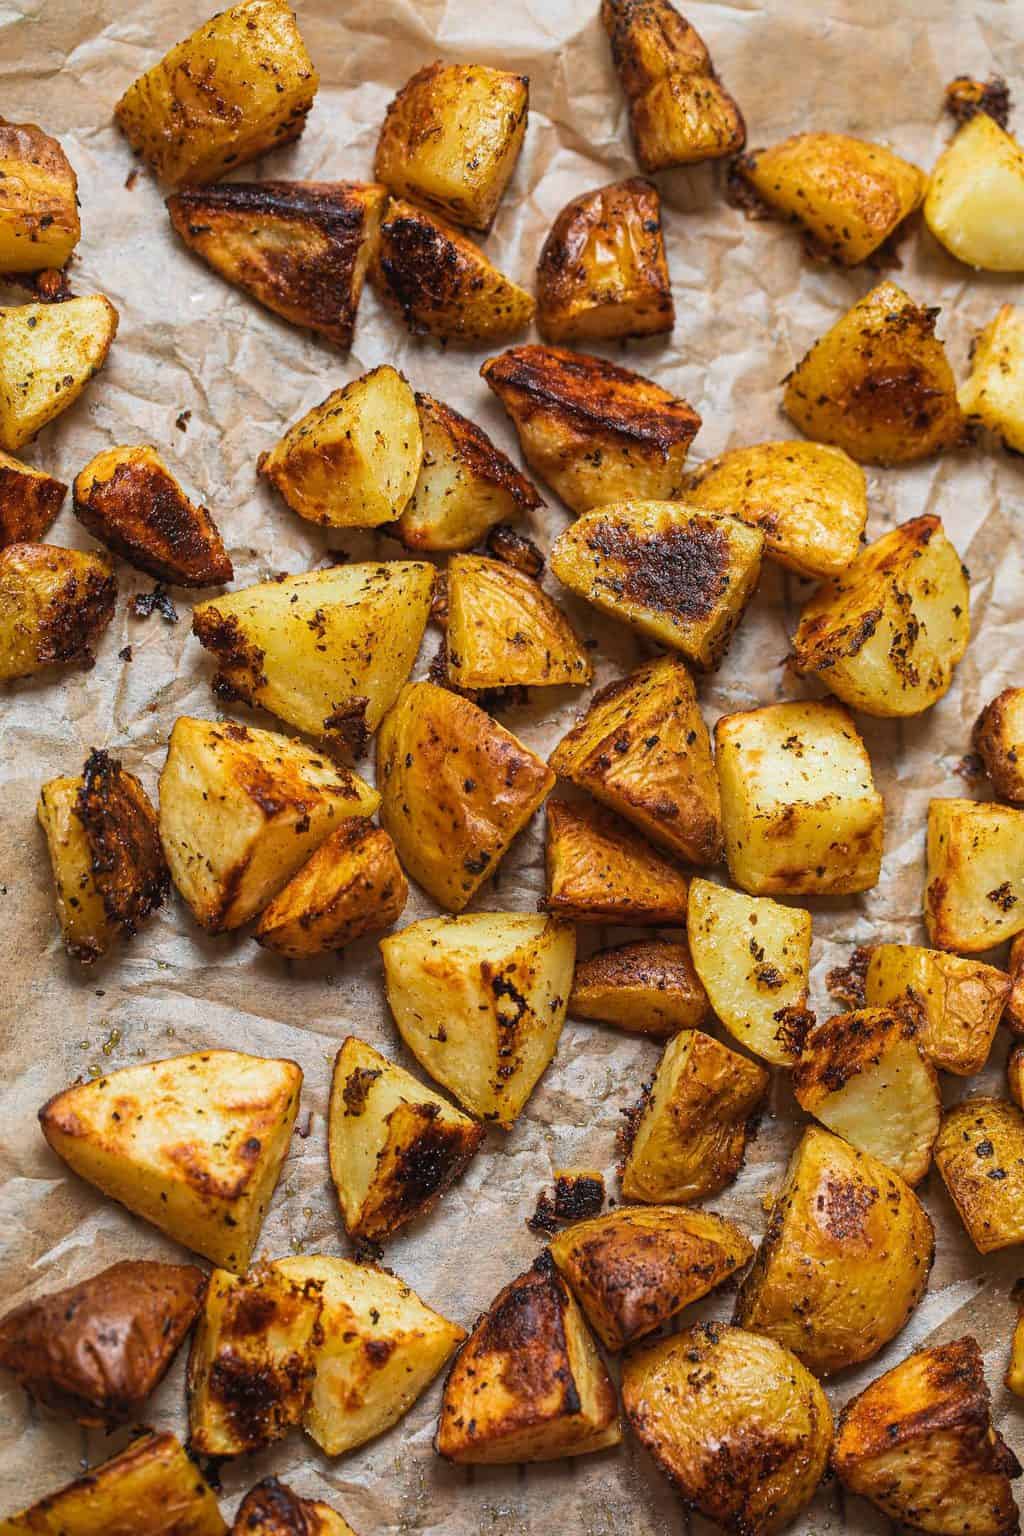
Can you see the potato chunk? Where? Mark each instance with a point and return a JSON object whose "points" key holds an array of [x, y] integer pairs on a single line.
{"points": [[480, 1001], [647, 988], [1013, 1013], [504, 630], [993, 394], [353, 460], [600, 871], [241, 811], [451, 139], [29, 500], [1014, 1378], [394, 1146], [739, 1426], [633, 1269], [878, 384], [753, 957], [687, 1137], [273, 1509], [1015, 1074], [240, 85], [596, 433], [974, 896], [920, 1444], [456, 787], [680, 576], [958, 1002], [980, 1155], [528, 1384], [800, 812], [48, 354], [353, 885], [39, 224], [193, 1144], [54, 605], [998, 740], [845, 1258], [975, 202]]}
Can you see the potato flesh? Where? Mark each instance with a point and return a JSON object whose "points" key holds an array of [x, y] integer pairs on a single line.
{"points": [[974, 895], [54, 604], [504, 630], [648, 988], [351, 886], [958, 1002], [48, 354], [29, 501], [84, 925], [975, 202], [980, 1156], [998, 738], [1015, 1370], [39, 224], [598, 870]]}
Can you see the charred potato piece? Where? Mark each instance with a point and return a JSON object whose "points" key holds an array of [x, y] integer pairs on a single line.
{"points": [[600, 871], [994, 391], [39, 224], [193, 1144], [54, 605], [845, 1258], [737, 1424], [272, 1509], [974, 896], [878, 384], [48, 354], [504, 630], [29, 500], [975, 202], [394, 1146], [998, 740], [920, 1444], [647, 988], [957, 1002], [480, 1000], [302, 248], [353, 885], [1013, 1014], [451, 139], [528, 1384], [980, 1156], [687, 1137], [240, 85], [596, 433]]}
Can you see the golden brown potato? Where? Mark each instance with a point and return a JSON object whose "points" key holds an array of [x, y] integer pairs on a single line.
{"points": [[480, 1000], [975, 202], [595, 432], [29, 500], [456, 789], [241, 811], [957, 1002], [1015, 1074], [394, 1146], [302, 248], [648, 988], [97, 1350], [599, 870], [980, 1155], [528, 1384], [845, 1258], [451, 139], [602, 273], [633, 1269], [240, 85], [48, 354], [442, 284], [193, 1144], [974, 895], [54, 605], [800, 812], [680, 576], [272, 1509], [39, 224], [878, 384], [1014, 1377], [739, 1426], [998, 740], [920, 1444], [504, 630], [994, 391], [353, 885], [1013, 1014]]}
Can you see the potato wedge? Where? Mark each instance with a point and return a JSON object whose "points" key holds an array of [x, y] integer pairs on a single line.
{"points": [[975, 202], [39, 224], [958, 1003], [29, 500], [599, 870], [993, 392], [736, 1423], [647, 988], [1013, 1013], [1014, 1378], [242, 84], [845, 1258], [194, 1144], [504, 630], [980, 1156], [595, 432], [54, 605], [528, 1384], [1015, 1074], [394, 1146], [273, 1509], [352, 886], [48, 354], [974, 895], [998, 739]]}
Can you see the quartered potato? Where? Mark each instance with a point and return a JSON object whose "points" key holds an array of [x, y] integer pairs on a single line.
{"points": [[599, 870], [647, 988], [39, 224], [975, 202], [353, 885], [998, 739], [242, 84], [845, 1258], [54, 605], [48, 354], [974, 896], [980, 1156], [957, 1003], [193, 1144], [994, 392], [273, 1509], [595, 432], [504, 630], [29, 500]]}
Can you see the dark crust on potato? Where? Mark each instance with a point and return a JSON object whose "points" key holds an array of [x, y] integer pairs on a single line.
{"points": [[431, 272], [128, 864], [425, 1165], [28, 505], [483, 459], [848, 983], [142, 514], [682, 570], [78, 611], [513, 548], [274, 1509], [576, 1197], [843, 1046], [965, 98], [224, 635]]}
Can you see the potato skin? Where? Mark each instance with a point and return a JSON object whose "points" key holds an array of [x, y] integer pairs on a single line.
{"points": [[599, 870], [48, 354], [54, 605], [39, 224], [974, 894], [1013, 1013], [272, 1509], [648, 988], [998, 739], [958, 1002], [980, 1156], [351, 886], [992, 394], [505, 631], [29, 501]]}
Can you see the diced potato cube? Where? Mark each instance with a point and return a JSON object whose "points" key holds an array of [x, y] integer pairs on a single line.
{"points": [[980, 1155], [48, 354], [504, 630], [975, 202], [600, 871], [958, 1002], [994, 393], [54, 605], [353, 885], [648, 988], [974, 896], [39, 224], [999, 741], [29, 501]]}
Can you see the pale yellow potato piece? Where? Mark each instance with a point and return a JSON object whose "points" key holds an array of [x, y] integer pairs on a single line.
{"points": [[994, 392], [974, 894], [958, 1002], [975, 202], [980, 1156], [48, 354], [504, 630]]}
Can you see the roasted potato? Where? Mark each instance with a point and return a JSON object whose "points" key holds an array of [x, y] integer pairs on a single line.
{"points": [[241, 811], [480, 1001], [878, 384], [1015, 1074], [753, 957], [39, 224], [647, 988], [845, 1258], [975, 883], [643, 749], [54, 605], [602, 273], [380, 1347], [957, 1002], [576, 1195], [980, 1155], [272, 1509], [975, 202], [193, 1144], [1013, 1013], [680, 576], [595, 432], [993, 393], [240, 85], [456, 789], [1014, 1378], [528, 1384], [443, 284], [739, 1426], [97, 1350], [354, 459], [800, 812], [48, 354], [686, 1138], [128, 499], [920, 1444], [302, 248], [633, 1269], [394, 1146], [353, 885], [29, 499], [504, 630], [998, 740], [809, 501], [451, 139], [599, 870]]}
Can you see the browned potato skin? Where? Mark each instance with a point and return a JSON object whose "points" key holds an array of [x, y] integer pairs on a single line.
{"points": [[600, 871], [121, 828], [648, 988], [1000, 747], [980, 1156], [1013, 1013], [602, 273], [272, 1509], [39, 224], [54, 605], [353, 885], [959, 1001], [505, 631], [1015, 1074], [29, 501]]}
